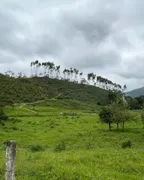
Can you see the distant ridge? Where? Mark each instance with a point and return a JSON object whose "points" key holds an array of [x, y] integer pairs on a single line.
{"points": [[136, 92]]}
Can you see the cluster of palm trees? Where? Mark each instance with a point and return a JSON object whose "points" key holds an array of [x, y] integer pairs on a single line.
{"points": [[50, 70], [103, 82]]}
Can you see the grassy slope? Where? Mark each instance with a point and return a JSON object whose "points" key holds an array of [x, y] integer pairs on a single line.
{"points": [[92, 152], [34, 89]]}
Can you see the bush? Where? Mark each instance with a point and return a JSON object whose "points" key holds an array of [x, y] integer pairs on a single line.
{"points": [[36, 148], [61, 146], [126, 144], [3, 116]]}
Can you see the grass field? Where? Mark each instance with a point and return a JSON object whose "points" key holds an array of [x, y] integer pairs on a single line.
{"points": [[64, 140]]}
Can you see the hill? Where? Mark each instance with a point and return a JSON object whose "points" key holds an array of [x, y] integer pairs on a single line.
{"points": [[19, 90], [136, 92]]}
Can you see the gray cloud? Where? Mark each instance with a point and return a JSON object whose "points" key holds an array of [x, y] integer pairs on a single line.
{"points": [[103, 36]]}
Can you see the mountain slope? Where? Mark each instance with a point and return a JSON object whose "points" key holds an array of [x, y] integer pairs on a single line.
{"points": [[17, 90], [136, 92]]}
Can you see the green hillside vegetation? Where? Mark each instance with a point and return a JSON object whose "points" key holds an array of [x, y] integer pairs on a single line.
{"points": [[50, 81], [19, 90], [65, 140]]}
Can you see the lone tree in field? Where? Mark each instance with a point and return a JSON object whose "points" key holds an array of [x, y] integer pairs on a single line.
{"points": [[106, 116], [117, 112]]}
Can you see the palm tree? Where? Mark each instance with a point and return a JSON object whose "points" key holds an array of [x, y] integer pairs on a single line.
{"points": [[39, 65], [31, 65], [36, 66], [71, 73], [48, 68], [51, 69], [64, 72], [93, 78], [57, 69], [124, 87], [81, 74], [89, 77], [44, 66]]}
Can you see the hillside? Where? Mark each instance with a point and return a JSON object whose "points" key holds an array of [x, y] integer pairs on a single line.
{"points": [[18, 90], [136, 92]]}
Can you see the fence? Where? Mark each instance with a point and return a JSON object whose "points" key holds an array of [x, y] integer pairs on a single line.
{"points": [[10, 160]]}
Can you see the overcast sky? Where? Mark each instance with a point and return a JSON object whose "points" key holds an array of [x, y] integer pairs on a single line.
{"points": [[101, 36]]}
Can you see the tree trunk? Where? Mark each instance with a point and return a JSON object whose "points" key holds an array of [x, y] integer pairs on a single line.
{"points": [[123, 125], [117, 126], [109, 126]]}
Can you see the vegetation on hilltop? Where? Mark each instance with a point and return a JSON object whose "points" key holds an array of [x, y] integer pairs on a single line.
{"points": [[49, 81]]}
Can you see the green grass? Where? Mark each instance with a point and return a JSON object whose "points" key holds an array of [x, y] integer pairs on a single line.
{"points": [[92, 152]]}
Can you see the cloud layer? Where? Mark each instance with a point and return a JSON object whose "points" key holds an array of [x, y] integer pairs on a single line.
{"points": [[103, 36]]}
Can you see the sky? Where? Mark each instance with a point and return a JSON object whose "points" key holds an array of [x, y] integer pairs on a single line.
{"points": [[101, 36]]}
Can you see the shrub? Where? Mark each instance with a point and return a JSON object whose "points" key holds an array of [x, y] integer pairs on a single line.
{"points": [[61, 146], [14, 128], [3, 116], [36, 148], [126, 144]]}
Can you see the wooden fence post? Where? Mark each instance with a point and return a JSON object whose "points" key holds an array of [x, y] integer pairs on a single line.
{"points": [[10, 160]]}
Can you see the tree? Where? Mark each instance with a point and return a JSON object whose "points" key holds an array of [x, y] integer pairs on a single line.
{"points": [[124, 87], [3, 116], [57, 69], [81, 74], [112, 96], [117, 112], [106, 116], [31, 65], [120, 115], [44, 65], [124, 117]]}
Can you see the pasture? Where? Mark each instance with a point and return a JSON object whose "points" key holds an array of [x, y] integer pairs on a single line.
{"points": [[65, 140]]}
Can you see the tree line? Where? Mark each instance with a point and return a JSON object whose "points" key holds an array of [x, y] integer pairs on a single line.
{"points": [[49, 69]]}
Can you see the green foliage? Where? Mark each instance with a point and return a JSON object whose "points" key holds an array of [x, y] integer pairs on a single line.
{"points": [[3, 116], [135, 103], [27, 90], [106, 116], [112, 96], [115, 113], [127, 144]]}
